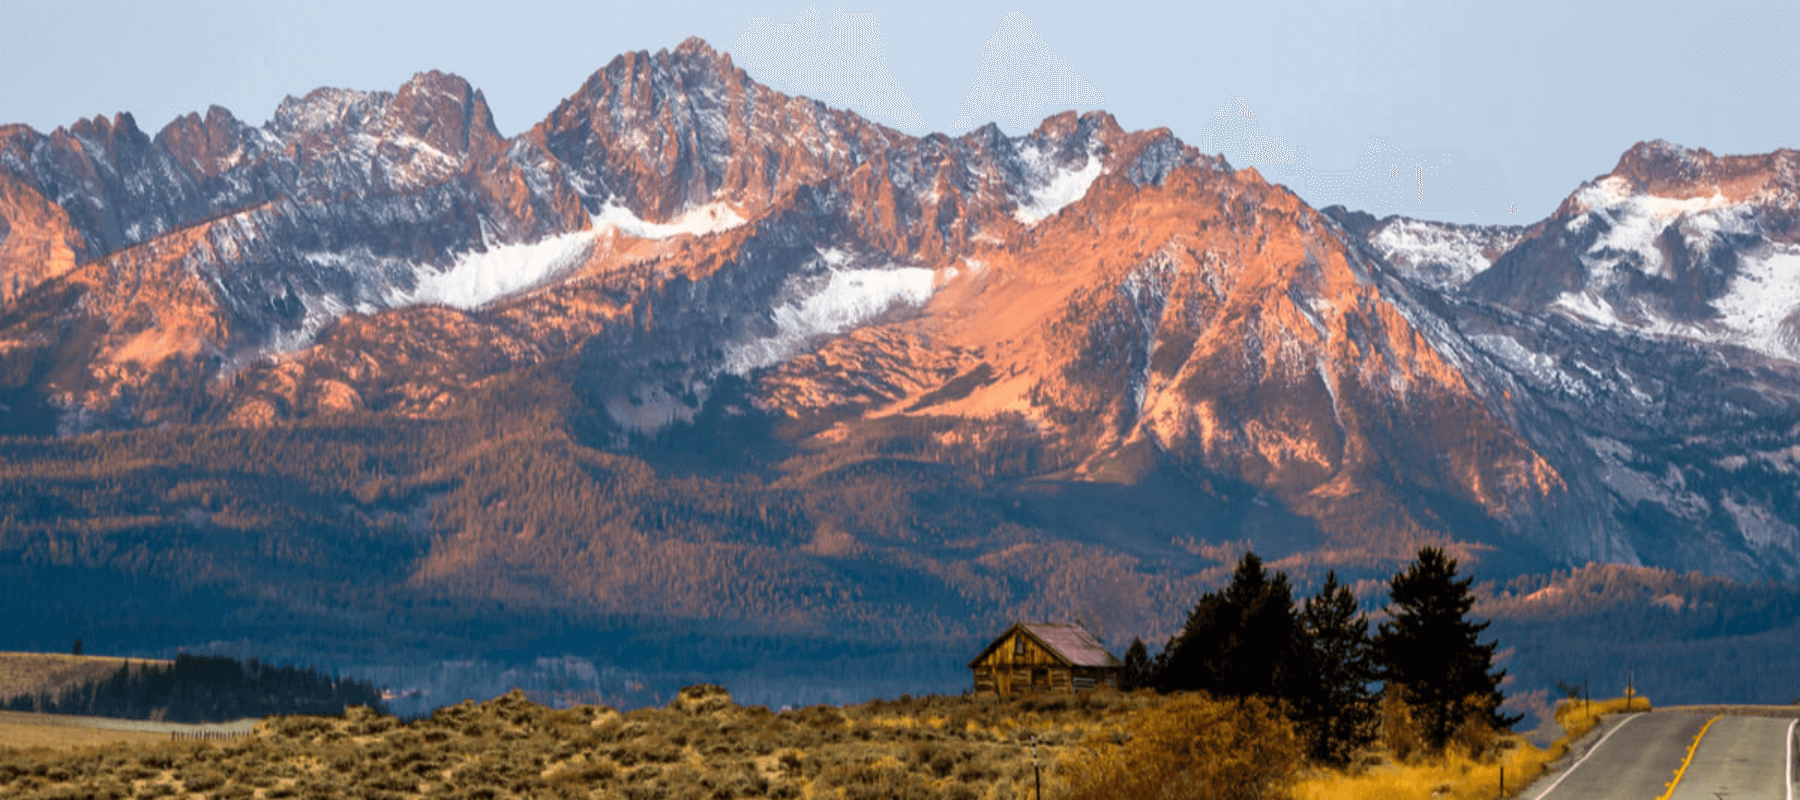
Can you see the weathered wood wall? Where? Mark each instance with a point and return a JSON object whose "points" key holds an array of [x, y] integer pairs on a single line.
{"points": [[1021, 665]]}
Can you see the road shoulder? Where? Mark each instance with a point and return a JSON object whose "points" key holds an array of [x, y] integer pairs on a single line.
{"points": [[1578, 750]]}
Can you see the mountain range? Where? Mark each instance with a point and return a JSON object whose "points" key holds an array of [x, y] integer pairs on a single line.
{"points": [[694, 350]]}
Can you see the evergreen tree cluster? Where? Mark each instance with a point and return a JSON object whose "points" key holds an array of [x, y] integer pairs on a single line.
{"points": [[206, 689], [1321, 663]]}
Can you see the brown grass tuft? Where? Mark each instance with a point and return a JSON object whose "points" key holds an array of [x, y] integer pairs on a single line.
{"points": [[702, 746], [1469, 769]]}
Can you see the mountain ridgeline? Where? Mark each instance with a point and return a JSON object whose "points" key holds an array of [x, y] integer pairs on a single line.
{"points": [[693, 355]]}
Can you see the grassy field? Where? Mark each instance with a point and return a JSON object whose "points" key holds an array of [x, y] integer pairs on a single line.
{"points": [[25, 730], [703, 745], [1455, 775], [31, 673]]}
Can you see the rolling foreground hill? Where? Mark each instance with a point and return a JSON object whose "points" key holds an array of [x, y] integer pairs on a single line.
{"points": [[702, 376]]}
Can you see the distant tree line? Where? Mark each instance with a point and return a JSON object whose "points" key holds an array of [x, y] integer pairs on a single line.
{"points": [[206, 689], [1320, 663]]}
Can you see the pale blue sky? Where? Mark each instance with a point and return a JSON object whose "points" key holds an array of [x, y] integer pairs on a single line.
{"points": [[1550, 92]]}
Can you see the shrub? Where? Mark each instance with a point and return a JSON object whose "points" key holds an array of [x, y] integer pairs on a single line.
{"points": [[820, 717], [233, 791], [1192, 747], [1401, 730], [202, 781], [299, 727], [365, 721]]}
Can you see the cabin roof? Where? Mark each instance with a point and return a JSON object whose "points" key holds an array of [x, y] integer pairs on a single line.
{"points": [[1071, 643]]}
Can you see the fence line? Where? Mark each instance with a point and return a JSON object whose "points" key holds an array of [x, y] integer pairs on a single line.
{"points": [[207, 736]]}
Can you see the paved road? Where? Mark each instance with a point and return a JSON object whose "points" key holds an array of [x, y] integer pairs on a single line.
{"points": [[1634, 761], [1739, 758]]}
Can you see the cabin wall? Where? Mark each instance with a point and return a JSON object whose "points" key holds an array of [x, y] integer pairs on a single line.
{"points": [[1019, 665]]}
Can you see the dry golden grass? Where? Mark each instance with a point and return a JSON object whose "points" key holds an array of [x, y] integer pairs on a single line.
{"points": [[1192, 747], [31, 673], [1456, 775], [701, 746], [705, 746], [23, 730]]}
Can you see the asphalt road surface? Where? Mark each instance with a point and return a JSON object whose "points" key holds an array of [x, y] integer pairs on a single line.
{"points": [[1740, 758]]}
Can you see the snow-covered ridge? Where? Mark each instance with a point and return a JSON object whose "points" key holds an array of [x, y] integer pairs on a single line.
{"points": [[478, 278], [1759, 302], [1634, 221], [1753, 311], [698, 221], [1441, 255], [837, 301], [1060, 186]]}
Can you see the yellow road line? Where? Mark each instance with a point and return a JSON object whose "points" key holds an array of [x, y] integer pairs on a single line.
{"points": [[1692, 746]]}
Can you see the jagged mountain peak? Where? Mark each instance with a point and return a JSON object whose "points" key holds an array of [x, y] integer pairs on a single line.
{"points": [[673, 223], [327, 108], [122, 124], [1661, 162], [1663, 169], [211, 145], [697, 47]]}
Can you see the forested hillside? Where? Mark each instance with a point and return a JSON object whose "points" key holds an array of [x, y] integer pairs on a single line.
{"points": [[1681, 637], [204, 689]]}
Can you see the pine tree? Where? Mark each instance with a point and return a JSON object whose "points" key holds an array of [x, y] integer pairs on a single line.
{"points": [[1239, 642], [1337, 710], [1431, 649], [1136, 673]]}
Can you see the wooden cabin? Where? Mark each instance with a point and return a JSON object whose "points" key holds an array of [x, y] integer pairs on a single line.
{"points": [[1044, 657]]}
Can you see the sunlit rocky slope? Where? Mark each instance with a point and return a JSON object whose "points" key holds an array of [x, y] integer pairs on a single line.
{"points": [[690, 348]]}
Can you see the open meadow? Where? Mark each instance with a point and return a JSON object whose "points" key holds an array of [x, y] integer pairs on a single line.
{"points": [[703, 745], [32, 673], [22, 729]]}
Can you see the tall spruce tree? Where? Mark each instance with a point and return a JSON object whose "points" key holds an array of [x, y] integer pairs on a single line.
{"points": [[1431, 650], [1138, 671], [1337, 710], [1242, 641]]}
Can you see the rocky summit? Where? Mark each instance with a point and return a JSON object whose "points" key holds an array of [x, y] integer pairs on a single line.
{"points": [[692, 348]]}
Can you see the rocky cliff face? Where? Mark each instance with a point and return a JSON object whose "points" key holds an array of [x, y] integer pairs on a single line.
{"points": [[1644, 333], [1615, 382]]}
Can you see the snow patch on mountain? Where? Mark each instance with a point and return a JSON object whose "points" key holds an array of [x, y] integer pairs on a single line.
{"points": [[1443, 256], [1059, 188], [1760, 528], [478, 278], [698, 221], [1537, 367], [1591, 308], [321, 310], [1760, 300], [1754, 312], [832, 303], [1634, 221], [1758, 304]]}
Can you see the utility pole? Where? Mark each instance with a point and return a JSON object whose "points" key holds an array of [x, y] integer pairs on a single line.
{"points": [[1628, 680], [1587, 697]]}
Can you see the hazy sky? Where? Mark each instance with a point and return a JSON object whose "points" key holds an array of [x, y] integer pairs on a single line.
{"points": [[1547, 94]]}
